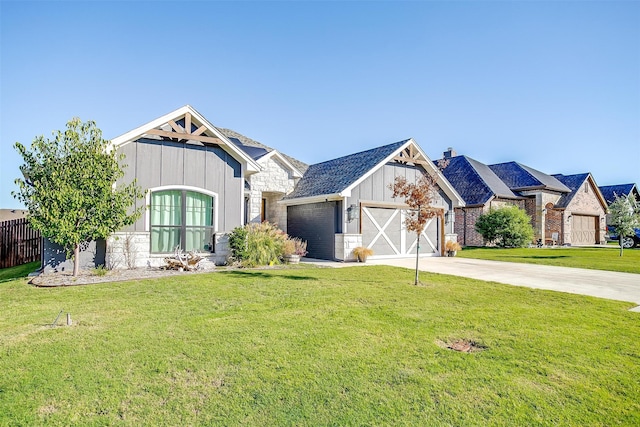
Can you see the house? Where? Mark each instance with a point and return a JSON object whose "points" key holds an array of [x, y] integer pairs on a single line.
{"points": [[481, 189], [580, 215], [203, 181], [564, 210], [611, 192], [346, 202]]}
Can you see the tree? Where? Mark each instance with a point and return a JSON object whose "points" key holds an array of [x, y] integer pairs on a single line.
{"points": [[625, 216], [69, 187], [419, 197], [507, 227]]}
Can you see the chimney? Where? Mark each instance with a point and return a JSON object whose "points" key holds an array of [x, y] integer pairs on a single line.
{"points": [[450, 153]]}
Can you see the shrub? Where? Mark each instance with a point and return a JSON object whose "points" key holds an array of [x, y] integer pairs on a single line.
{"points": [[265, 244], [238, 244], [262, 244], [361, 253], [451, 246], [507, 227], [295, 246]]}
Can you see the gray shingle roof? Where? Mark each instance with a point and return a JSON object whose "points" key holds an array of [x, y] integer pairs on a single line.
{"points": [[334, 176], [475, 182], [574, 182], [519, 177], [257, 149], [610, 192]]}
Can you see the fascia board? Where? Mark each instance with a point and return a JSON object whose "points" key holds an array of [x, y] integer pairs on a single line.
{"points": [[132, 135], [599, 195], [239, 155], [312, 199], [442, 182], [295, 172], [347, 191]]}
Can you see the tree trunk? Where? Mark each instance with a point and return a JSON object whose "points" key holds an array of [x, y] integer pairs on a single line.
{"points": [[418, 232], [417, 258], [76, 260], [620, 241]]}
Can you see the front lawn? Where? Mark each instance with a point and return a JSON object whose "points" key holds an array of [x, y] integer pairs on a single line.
{"points": [[18, 271], [312, 347], [605, 258]]}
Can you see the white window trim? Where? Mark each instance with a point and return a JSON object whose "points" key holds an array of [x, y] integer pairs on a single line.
{"points": [[147, 216]]}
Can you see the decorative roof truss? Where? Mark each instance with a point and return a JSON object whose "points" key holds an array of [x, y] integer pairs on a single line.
{"points": [[411, 156], [185, 129]]}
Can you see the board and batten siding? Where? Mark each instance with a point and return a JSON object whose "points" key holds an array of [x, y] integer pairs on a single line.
{"points": [[157, 163], [375, 188]]}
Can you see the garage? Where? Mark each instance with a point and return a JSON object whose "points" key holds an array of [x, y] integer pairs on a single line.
{"points": [[384, 232], [584, 230]]}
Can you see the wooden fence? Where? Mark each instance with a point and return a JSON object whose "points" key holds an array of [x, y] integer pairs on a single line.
{"points": [[19, 243]]}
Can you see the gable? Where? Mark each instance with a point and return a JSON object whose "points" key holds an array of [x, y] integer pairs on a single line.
{"points": [[186, 126], [584, 192], [335, 179]]}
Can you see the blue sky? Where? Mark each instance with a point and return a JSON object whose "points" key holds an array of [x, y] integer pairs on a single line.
{"points": [[553, 85]]}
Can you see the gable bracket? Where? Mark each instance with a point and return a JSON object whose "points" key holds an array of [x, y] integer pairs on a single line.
{"points": [[194, 137], [410, 155]]}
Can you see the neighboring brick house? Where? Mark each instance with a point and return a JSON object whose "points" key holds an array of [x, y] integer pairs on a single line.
{"points": [[579, 216], [564, 210], [611, 192], [481, 190]]}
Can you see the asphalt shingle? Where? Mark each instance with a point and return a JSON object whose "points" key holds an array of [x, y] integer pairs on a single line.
{"points": [[519, 177], [610, 192], [574, 182], [334, 176]]}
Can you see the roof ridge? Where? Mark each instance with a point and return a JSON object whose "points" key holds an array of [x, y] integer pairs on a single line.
{"points": [[361, 152]]}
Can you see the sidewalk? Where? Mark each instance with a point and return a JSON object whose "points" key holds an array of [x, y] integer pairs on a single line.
{"points": [[596, 283]]}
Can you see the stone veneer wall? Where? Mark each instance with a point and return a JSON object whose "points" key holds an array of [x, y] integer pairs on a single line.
{"points": [[131, 250], [345, 243], [272, 183]]}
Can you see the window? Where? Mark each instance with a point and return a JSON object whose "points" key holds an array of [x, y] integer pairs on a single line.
{"points": [[181, 218]]}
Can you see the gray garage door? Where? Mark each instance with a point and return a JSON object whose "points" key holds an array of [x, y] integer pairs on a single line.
{"points": [[583, 230], [383, 231]]}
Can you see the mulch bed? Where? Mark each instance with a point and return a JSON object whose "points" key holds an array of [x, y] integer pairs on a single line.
{"points": [[88, 277]]}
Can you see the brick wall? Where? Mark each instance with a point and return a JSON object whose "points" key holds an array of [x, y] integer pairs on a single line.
{"points": [[553, 224]]}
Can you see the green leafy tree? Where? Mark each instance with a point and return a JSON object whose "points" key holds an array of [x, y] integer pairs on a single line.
{"points": [[419, 197], [507, 227], [625, 217], [69, 187]]}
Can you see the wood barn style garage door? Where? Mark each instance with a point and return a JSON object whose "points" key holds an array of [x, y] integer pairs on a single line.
{"points": [[384, 232], [583, 230]]}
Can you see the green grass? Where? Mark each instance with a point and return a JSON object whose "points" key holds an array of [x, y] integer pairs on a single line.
{"points": [[315, 347], [605, 258], [18, 271]]}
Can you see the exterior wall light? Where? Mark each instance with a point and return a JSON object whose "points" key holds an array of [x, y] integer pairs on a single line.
{"points": [[352, 213]]}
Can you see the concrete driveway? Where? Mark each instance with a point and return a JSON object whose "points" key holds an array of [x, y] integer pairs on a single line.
{"points": [[596, 283]]}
